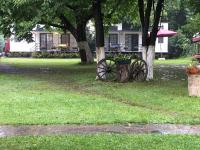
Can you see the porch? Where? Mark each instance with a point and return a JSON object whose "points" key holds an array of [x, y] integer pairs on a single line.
{"points": [[53, 41]]}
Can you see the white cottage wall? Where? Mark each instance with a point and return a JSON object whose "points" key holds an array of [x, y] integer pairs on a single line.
{"points": [[162, 47], [21, 46]]}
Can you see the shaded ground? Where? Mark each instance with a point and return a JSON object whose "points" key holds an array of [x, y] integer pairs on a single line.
{"points": [[25, 130], [162, 71]]}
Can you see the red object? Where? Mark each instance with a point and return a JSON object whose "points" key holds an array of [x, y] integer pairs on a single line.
{"points": [[192, 70], [7, 46], [197, 56], [166, 33], [196, 39]]}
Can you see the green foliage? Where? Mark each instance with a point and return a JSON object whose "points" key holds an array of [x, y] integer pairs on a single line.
{"points": [[195, 5], [19, 54], [54, 55], [181, 44], [14, 21], [122, 58], [43, 54], [192, 25], [120, 11]]}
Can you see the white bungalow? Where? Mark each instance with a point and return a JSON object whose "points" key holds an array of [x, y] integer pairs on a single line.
{"points": [[125, 38], [43, 41]]}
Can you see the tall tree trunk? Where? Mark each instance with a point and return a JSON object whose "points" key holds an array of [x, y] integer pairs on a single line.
{"points": [[149, 42], [99, 28], [84, 49], [150, 60], [79, 32]]}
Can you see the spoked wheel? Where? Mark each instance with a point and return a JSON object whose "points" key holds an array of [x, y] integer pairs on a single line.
{"points": [[107, 70], [138, 71]]}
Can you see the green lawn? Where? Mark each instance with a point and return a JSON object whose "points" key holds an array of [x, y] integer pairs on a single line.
{"points": [[102, 141], [179, 61], [62, 91]]}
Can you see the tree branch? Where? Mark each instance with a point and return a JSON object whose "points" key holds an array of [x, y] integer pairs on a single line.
{"points": [[51, 24], [68, 25], [72, 7], [154, 31], [148, 15], [141, 11]]}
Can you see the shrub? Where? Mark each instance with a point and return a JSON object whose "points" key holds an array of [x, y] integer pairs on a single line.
{"points": [[45, 54], [55, 55], [19, 54]]}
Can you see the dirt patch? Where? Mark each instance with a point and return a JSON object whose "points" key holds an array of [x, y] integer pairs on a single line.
{"points": [[92, 129]]}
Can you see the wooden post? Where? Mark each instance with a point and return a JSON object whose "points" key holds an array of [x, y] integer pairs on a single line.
{"points": [[194, 85]]}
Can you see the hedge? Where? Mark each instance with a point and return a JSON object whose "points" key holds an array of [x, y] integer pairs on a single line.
{"points": [[44, 54]]}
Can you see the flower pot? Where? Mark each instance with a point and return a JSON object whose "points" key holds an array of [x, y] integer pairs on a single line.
{"points": [[192, 70]]}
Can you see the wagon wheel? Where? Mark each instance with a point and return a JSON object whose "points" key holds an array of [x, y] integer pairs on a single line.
{"points": [[107, 70], [138, 71]]}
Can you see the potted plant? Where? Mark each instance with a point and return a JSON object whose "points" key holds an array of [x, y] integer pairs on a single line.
{"points": [[193, 72], [121, 59], [192, 69], [123, 64]]}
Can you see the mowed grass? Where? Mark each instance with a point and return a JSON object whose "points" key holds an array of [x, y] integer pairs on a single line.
{"points": [[62, 91], [102, 141], [179, 61]]}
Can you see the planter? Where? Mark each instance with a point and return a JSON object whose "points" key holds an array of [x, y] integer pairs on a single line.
{"points": [[194, 85], [123, 72], [123, 62]]}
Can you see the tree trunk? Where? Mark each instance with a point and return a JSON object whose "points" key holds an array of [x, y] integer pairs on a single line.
{"points": [[85, 52], [150, 59], [99, 28], [144, 53], [100, 53], [84, 49]]}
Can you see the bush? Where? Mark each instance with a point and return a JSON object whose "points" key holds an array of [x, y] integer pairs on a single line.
{"points": [[19, 54], [55, 55], [180, 45], [44, 54]]}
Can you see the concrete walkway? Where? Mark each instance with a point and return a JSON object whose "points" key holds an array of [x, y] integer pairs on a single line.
{"points": [[23, 130]]}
